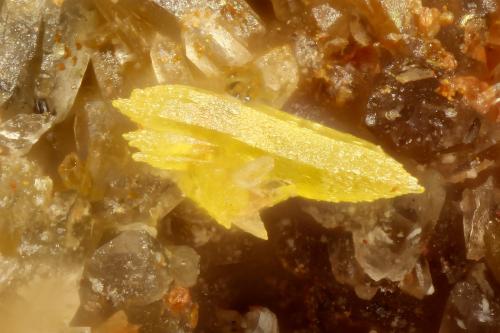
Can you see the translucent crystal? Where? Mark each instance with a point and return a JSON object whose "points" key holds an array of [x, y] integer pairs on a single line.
{"points": [[65, 56], [235, 15], [215, 134], [25, 194], [280, 75], [128, 270], [190, 222], [124, 18], [125, 192], [476, 205], [70, 215], [347, 270], [184, 265], [260, 320], [418, 282], [22, 131], [169, 63], [326, 16], [108, 72], [492, 242], [208, 43], [307, 52], [388, 234], [215, 33], [472, 306], [19, 28], [389, 242]]}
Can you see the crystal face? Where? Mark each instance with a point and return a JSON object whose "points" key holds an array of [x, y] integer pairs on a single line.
{"points": [[249, 166], [259, 155]]}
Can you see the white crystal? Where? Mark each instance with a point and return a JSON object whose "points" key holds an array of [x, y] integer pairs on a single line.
{"points": [[326, 16]]}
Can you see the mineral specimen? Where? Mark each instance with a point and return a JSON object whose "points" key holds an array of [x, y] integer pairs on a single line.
{"points": [[128, 207], [249, 159]]}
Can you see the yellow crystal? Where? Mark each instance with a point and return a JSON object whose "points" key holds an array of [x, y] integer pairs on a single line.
{"points": [[234, 159]]}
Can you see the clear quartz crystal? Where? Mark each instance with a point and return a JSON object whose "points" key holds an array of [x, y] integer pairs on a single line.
{"points": [[22, 131], [168, 60], [184, 265], [211, 38], [65, 57], [280, 75], [347, 270], [472, 305], [418, 282], [128, 270], [237, 15], [387, 244], [476, 205], [25, 194], [108, 72], [390, 245], [215, 33], [19, 28]]}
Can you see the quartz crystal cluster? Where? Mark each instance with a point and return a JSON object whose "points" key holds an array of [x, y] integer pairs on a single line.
{"points": [[253, 166]]}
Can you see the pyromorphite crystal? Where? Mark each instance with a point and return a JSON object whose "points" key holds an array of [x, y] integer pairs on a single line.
{"points": [[234, 159]]}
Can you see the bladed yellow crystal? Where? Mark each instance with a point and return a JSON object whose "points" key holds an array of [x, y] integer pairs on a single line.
{"points": [[234, 159]]}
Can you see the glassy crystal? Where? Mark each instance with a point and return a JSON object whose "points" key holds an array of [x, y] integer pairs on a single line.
{"points": [[326, 16], [22, 131], [65, 56], [184, 265], [169, 63], [492, 242], [128, 195], [124, 19], [108, 71], [280, 75], [205, 37], [347, 270], [477, 204], [128, 270], [472, 306], [260, 320], [307, 52], [389, 243], [236, 15], [25, 194], [418, 282], [388, 234], [19, 27]]}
